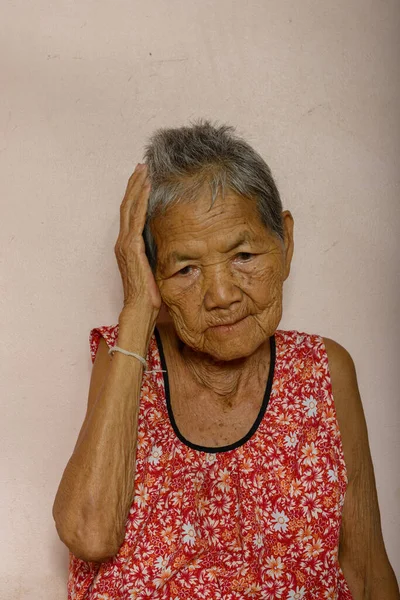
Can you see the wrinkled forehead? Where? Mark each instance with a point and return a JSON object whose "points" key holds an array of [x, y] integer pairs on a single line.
{"points": [[197, 227], [200, 213], [204, 210]]}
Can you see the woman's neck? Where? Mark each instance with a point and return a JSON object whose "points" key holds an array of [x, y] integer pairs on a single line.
{"points": [[227, 381]]}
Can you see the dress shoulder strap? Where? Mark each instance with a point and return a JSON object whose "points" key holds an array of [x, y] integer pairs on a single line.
{"points": [[108, 332]]}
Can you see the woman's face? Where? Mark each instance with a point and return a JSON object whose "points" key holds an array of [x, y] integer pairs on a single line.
{"points": [[220, 273]]}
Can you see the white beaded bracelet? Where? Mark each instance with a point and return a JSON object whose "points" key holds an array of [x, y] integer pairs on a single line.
{"points": [[140, 358]]}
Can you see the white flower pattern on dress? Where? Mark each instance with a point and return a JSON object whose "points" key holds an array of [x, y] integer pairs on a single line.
{"points": [[281, 521], [291, 440], [333, 475], [297, 594], [311, 405], [155, 455], [190, 534]]}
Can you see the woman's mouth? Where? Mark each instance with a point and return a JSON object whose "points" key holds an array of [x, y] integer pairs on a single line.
{"points": [[227, 327]]}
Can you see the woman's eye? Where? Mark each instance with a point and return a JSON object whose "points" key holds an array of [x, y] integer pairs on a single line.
{"points": [[243, 256], [186, 270]]}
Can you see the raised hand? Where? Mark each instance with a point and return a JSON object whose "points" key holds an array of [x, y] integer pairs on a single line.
{"points": [[140, 287]]}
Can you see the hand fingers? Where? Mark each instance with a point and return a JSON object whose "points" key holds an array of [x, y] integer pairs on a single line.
{"points": [[133, 198], [139, 169], [138, 212]]}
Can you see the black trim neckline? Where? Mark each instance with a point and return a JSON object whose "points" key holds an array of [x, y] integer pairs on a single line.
{"points": [[254, 427]]}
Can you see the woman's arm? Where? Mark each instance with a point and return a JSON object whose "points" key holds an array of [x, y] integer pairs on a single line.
{"points": [[362, 553], [96, 489]]}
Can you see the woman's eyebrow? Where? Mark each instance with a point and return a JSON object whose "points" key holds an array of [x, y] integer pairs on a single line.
{"points": [[241, 239], [177, 256]]}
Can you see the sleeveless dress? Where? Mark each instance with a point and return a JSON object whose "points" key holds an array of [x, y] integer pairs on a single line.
{"points": [[259, 519]]}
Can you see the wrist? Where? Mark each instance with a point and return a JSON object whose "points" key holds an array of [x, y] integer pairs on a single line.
{"points": [[135, 329]]}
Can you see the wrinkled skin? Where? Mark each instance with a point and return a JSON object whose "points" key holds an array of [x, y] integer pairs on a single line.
{"points": [[220, 273]]}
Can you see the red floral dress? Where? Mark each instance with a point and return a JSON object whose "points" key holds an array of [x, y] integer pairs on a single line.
{"points": [[257, 519]]}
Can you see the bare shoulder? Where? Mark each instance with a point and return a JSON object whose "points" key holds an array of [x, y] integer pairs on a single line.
{"points": [[340, 361], [342, 373], [348, 404]]}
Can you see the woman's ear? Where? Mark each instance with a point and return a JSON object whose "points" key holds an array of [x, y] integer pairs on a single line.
{"points": [[288, 226]]}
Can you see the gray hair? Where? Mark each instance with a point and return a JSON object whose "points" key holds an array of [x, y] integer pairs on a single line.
{"points": [[184, 162]]}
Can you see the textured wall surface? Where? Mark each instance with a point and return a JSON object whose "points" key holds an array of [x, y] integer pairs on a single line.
{"points": [[314, 86]]}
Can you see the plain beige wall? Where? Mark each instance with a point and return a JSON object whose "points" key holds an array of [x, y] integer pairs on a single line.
{"points": [[314, 86]]}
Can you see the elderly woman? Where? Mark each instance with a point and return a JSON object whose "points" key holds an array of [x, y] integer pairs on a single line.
{"points": [[220, 457]]}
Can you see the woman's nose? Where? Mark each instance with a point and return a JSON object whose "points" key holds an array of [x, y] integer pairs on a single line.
{"points": [[220, 290]]}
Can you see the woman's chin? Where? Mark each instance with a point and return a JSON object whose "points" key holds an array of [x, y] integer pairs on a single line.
{"points": [[225, 343], [228, 350]]}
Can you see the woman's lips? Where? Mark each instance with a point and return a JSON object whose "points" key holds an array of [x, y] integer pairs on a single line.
{"points": [[226, 328]]}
